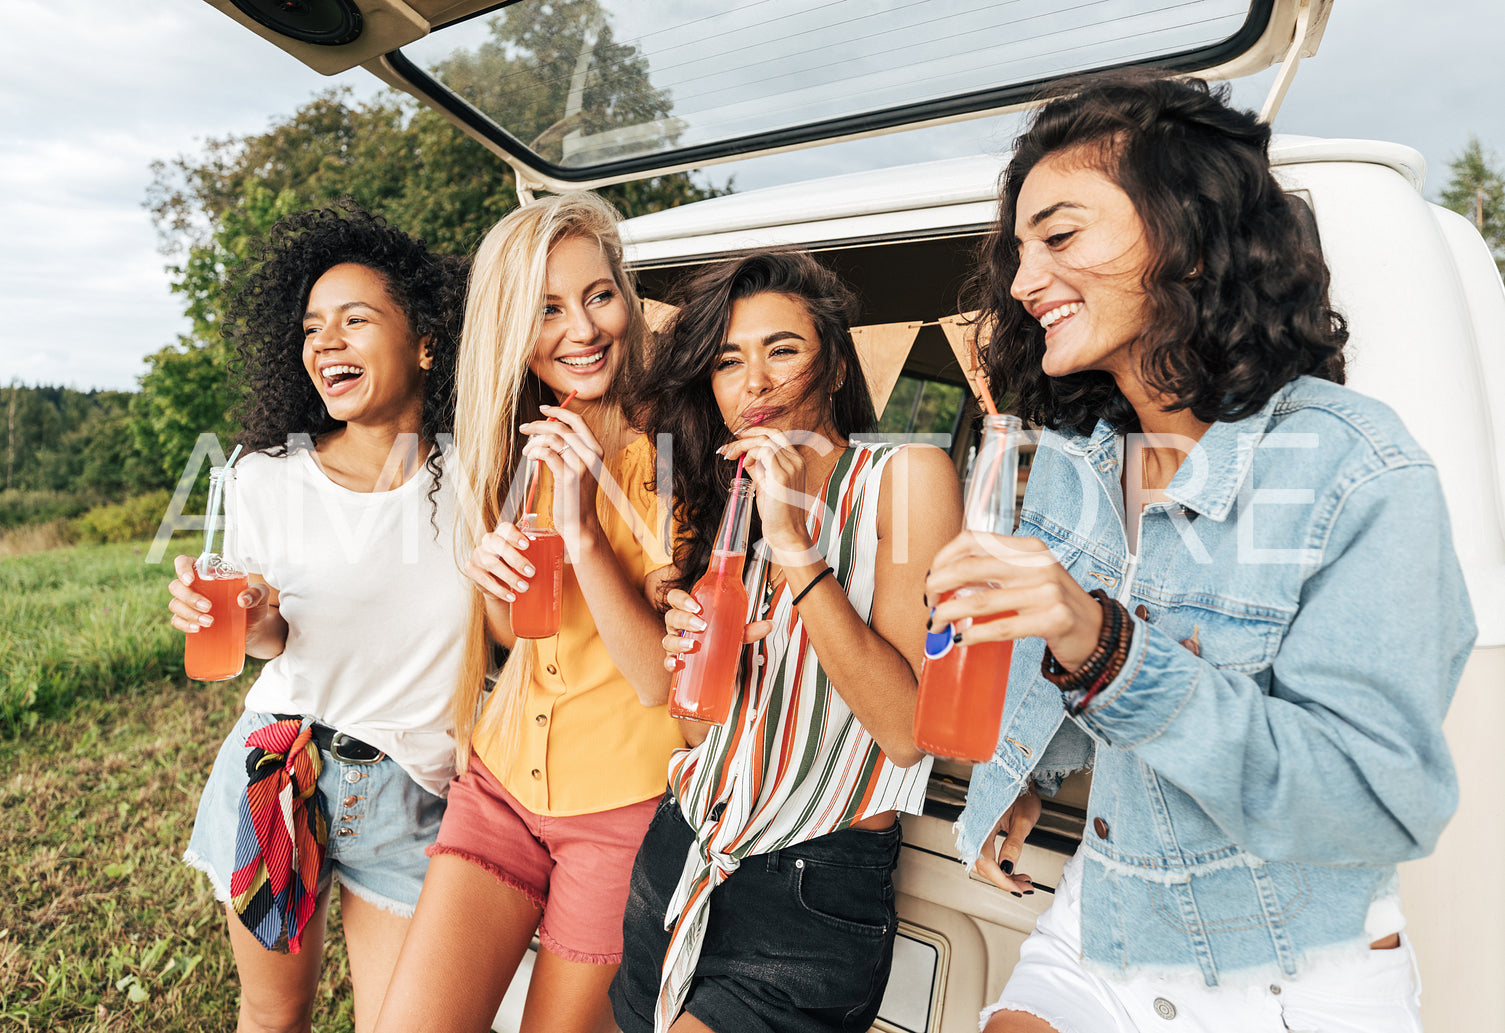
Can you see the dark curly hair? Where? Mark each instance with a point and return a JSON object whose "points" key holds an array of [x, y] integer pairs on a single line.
{"points": [[1236, 288], [670, 393], [265, 320]]}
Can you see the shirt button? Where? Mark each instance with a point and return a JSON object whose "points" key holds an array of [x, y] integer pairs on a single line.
{"points": [[1142, 612], [542, 719], [346, 831], [352, 777], [1100, 827], [1165, 1009], [536, 773], [552, 669], [1275, 988], [350, 800]]}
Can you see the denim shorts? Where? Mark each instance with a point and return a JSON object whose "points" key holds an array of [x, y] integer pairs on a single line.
{"points": [[798, 941], [380, 822]]}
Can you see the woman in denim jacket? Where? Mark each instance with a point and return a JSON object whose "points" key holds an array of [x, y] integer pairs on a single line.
{"points": [[1279, 621]]}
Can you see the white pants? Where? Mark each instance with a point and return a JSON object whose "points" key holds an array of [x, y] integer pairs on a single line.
{"points": [[1379, 992]]}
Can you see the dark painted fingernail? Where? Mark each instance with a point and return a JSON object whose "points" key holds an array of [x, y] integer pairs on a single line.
{"points": [[928, 622], [1007, 866], [956, 636], [1019, 895], [1028, 892]]}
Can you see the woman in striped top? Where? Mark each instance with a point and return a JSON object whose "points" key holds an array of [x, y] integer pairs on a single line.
{"points": [[762, 897]]}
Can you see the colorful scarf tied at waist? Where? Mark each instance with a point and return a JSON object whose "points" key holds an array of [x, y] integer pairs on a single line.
{"points": [[281, 835]]}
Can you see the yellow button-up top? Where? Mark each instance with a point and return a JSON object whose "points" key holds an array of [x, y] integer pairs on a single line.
{"points": [[585, 743]]}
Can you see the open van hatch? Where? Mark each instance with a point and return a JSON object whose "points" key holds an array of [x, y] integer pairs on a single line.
{"points": [[581, 93]]}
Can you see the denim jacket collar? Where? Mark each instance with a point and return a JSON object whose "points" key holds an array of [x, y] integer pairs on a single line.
{"points": [[1208, 482]]}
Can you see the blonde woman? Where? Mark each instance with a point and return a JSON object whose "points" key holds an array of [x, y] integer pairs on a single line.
{"points": [[562, 766]]}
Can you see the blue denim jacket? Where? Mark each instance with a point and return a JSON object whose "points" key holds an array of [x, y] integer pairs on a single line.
{"points": [[1273, 745]]}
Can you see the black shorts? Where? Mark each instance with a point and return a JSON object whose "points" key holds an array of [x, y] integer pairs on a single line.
{"points": [[798, 940]]}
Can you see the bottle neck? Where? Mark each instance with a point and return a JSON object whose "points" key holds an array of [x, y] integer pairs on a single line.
{"points": [[989, 499], [731, 535]]}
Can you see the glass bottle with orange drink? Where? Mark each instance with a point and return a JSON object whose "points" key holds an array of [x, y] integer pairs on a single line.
{"points": [[705, 683], [962, 688], [537, 612], [218, 652]]}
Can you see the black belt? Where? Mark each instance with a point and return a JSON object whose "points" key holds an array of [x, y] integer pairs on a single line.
{"points": [[344, 747]]}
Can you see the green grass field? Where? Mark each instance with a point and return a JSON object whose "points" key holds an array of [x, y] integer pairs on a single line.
{"points": [[82, 621], [104, 747]]}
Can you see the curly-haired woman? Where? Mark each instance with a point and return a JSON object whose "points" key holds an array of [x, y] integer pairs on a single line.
{"points": [[1233, 588], [348, 332]]}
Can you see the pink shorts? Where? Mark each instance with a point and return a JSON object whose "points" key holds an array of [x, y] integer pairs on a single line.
{"points": [[576, 868]]}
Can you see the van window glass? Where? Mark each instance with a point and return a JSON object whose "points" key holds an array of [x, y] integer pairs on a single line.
{"points": [[920, 406], [610, 84]]}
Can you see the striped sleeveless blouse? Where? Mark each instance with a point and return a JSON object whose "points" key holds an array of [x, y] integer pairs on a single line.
{"points": [[791, 763]]}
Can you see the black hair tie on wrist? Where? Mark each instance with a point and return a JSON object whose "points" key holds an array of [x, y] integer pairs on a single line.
{"points": [[815, 581]]}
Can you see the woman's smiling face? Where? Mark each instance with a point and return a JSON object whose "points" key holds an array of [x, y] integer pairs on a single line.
{"points": [[360, 350], [761, 377], [1083, 255], [584, 318]]}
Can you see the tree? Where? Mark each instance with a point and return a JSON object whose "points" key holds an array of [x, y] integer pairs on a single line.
{"points": [[1476, 190], [403, 161]]}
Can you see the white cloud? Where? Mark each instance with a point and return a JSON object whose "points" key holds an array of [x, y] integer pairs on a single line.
{"points": [[93, 94]]}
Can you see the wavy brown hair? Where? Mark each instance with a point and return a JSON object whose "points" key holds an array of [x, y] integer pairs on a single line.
{"points": [[671, 392], [1236, 288]]}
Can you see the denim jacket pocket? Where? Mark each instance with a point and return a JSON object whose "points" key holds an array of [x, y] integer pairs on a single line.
{"points": [[1225, 638]]}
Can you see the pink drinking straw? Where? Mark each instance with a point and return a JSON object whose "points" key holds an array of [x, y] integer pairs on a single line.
{"points": [[538, 463], [743, 457]]}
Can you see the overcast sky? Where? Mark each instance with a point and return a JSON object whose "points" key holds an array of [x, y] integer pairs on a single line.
{"points": [[91, 93]]}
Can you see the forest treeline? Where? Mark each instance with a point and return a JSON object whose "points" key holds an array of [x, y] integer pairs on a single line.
{"points": [[66, 450]]}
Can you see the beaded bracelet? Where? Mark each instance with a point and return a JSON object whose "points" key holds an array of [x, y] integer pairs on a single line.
{"points": [[1101, 666], [806, 590]]}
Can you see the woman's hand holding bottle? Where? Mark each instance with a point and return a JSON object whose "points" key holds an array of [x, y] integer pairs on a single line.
{"points": [[499, 565], [1018, 575], [565, 444], [683, 616], [191, 611]]}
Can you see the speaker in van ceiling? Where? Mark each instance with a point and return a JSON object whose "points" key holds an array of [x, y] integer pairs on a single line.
{"points": [[328, 23]]}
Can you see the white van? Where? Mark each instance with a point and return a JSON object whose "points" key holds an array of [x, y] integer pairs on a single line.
{"points": [[643, 89]]}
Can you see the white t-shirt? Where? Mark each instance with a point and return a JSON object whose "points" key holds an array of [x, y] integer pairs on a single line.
{"points": [[375, 603]]}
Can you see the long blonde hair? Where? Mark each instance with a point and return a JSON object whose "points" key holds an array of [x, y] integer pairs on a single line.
{"points": [[496, 391]]}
